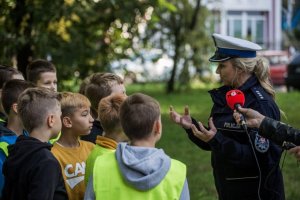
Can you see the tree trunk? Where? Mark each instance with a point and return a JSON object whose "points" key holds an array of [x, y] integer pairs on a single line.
{"points": [[24, 55], [171, 82], [178, 42], [24, 52]]}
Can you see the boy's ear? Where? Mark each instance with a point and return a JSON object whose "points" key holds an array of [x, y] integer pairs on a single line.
{"points": [[50, 121], [67, 122], [14, 107], [157, 127]]}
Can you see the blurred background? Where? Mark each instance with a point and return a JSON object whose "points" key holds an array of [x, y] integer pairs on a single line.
{"points": [[143, 40]]}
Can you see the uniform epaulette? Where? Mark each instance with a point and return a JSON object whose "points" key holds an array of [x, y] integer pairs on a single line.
{"points": [[259, 93]]}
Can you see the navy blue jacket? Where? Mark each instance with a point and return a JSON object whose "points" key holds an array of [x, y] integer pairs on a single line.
{"points": [[235, 169], [96, 130], [8, 137], [32, 172]]}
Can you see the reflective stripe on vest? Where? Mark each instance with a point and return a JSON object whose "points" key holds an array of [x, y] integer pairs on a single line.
{"points": [[3, 147], [109, 184]]}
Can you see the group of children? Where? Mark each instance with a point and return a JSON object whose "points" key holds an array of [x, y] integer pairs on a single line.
{"points": [[94, 144]]}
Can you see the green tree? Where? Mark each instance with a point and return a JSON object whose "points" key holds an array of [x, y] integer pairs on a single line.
{"points": [[180, 28], [79, 36]]}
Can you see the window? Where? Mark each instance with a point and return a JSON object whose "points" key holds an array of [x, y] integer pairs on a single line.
{"points": [[237, 28], [247, 25]]}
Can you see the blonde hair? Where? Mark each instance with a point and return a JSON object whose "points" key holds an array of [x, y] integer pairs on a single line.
{"points": [[70, 102], [260, 67]]}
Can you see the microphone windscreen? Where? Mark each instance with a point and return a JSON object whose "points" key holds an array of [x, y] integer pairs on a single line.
{"points": [[234, 97]]}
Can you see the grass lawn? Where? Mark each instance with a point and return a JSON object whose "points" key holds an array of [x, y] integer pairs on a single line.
{"points": [[176, 144]]}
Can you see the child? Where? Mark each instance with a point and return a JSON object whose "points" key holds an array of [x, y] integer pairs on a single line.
{"points": [[70, 151], [42, 73], [108, 115], [98, 86], [7, 73], [14, 128], [138, 170], [31, 171]]}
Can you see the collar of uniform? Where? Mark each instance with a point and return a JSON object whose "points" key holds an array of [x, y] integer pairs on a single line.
{"points": [[251, 82], [218, 95]]}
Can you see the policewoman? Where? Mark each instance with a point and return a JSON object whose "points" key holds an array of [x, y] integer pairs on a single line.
{"points": [[243, 168]]}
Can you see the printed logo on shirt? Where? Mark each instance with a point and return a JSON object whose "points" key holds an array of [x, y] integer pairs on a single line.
{"points": [[74, 174]]}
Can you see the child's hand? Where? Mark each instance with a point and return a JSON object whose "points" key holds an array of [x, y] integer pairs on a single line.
{"points": [[184, 120], [204, 134]]}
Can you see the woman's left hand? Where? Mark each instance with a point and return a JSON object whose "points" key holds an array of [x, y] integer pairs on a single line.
{"points": [[204, 134]]}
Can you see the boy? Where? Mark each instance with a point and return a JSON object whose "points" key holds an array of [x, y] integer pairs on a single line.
{"points": [[70, 151], [14, 128], [42, 73], [138, 170], [7, 73], [31, 171], [108, 115], [98, 86]]}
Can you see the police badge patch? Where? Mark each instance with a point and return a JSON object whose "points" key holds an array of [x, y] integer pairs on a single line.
{"points": [[261, 143]]}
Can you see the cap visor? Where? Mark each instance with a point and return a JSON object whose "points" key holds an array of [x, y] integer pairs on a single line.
{"points": [[219, 58]]}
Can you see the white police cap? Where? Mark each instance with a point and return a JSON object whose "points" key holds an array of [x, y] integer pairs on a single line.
{"points": [[230, 47]]}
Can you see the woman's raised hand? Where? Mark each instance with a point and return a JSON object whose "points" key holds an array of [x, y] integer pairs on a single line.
{"points": [[184, 120]]}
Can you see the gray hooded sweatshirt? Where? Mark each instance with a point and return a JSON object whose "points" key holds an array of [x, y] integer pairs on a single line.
{"points": [[142, 167]]}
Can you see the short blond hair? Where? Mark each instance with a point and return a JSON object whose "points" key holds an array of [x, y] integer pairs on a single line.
{"points": [[70, 102]]}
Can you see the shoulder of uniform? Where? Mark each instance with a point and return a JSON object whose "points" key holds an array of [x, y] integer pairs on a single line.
{"points": [[259, 93]]}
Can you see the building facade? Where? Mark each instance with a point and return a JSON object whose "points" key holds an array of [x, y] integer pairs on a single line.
{"points": [[255, 20]]}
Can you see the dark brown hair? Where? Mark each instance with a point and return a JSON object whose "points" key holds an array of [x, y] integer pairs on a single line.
{"points": [[37, 67], [6, 74], [138, 114], [11, 91], [99, 86]]}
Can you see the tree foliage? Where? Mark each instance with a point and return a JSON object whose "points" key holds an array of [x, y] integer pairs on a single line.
{"points": [[79, 36], [83, 36], [180, 28]]}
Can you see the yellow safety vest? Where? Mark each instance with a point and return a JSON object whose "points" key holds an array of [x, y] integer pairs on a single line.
{"points": [[109, 184], [3, 147], [52, 141]]}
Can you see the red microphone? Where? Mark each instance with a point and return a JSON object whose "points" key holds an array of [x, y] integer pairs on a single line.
{"points": [[236, 99]]}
